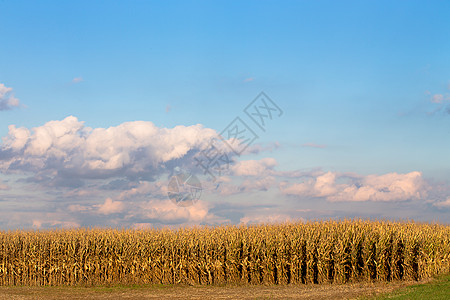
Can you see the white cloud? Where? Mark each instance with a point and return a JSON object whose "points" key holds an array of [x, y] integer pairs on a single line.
{"points": [[253, 175], [254, 167], [167, 211], [133, 204], [388, 187], [111, 207], [267, 215], [77, 79], [132, 157], [7, 99], [39, 223], [443, 204], [69, 148]]}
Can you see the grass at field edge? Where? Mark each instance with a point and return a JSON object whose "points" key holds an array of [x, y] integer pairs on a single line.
{"points": [[436, 289]]}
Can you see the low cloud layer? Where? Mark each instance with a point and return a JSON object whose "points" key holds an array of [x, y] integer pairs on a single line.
{"points": [[3, 186], [336, 187], [66, 174], [104, 174], [443, 204], [7, 99]]}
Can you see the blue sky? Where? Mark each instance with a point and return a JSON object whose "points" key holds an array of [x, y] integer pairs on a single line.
{"points": [[364, 87]]}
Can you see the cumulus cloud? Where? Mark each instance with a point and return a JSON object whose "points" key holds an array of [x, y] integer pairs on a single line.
{"points": [[133, 207], [258, 219], [254, 167], [270, 215], [335, 187], [252, 175], [7, 99], [39, 223], [443, 204], [258, 184], [69, 149], [111, 207], [167, 212], [155, 211], [115, 175], [255, 175]]}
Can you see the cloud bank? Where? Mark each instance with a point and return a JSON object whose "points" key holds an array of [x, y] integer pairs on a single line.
{"points": [[336, 187], [116, 176], [66, 151]]}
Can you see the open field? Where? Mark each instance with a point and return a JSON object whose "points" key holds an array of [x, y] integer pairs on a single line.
{"points": [[320, 252]]}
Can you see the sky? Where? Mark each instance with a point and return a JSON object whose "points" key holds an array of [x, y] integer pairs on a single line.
{"points": [[342, 110]]}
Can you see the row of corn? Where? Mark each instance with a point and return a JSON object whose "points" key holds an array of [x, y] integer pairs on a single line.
{"points": [[313, 252]]}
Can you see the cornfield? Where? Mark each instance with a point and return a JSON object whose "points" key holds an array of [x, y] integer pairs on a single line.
{"points": [[290, 253]]}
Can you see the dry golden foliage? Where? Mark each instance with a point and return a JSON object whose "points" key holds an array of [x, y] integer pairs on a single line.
{"points": [[313, 252]]}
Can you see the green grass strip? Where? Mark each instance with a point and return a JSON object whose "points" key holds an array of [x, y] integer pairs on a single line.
{"points": [[436, 289]]}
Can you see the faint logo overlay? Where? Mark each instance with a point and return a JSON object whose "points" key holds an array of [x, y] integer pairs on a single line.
{"points": [[184, 189], [238, 136]]}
